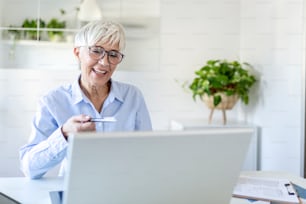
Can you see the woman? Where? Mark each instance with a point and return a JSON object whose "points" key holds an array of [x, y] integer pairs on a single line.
{"points": [[94, 95]]}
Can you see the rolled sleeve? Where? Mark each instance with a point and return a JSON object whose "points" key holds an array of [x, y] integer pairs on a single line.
{"points": [[37, 159]]}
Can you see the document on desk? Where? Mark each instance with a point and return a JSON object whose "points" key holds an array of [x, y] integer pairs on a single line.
{"points": [[275, 190]]}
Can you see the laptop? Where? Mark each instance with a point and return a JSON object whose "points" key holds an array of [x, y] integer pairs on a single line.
{"points": [[157, 167]]}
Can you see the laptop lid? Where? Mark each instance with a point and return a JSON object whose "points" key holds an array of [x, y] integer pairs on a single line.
{"points": [[158, 167]]}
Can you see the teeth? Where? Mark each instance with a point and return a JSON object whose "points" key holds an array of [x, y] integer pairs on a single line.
{"points": [[98, 71]]}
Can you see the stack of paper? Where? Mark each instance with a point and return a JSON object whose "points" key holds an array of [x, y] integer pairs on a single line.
{"points": [[277, 190]]}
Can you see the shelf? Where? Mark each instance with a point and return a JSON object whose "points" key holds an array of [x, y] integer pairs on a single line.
{"points": [[38, 42], [183, 123], [35, 49], [39, 29]]}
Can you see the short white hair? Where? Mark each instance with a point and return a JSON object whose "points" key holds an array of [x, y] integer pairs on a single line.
{"points": [[100, 31]]}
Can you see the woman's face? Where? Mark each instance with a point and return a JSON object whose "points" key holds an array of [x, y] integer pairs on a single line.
{"points": [[95, 72]]}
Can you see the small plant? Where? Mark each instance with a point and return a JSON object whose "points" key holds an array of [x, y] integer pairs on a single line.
{"points": [[14, 33], [218, 77], [55, 24], [32, 26]]}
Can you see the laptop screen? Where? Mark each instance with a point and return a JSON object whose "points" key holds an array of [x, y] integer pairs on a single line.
{"points": [[200, 166], [56, 197], [5, 199]]}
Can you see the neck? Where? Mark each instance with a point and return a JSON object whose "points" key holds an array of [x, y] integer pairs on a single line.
{"points": [[96, 94]]}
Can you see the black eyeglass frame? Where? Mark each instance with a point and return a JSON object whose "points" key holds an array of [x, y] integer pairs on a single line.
{"points": [[104, 53]]}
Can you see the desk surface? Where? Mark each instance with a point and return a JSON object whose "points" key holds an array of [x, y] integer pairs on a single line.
{"points": [[30, 191]]}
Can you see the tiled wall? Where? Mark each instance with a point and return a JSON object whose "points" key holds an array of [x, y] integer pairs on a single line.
{"points": [[191, 33], [273, 40]]}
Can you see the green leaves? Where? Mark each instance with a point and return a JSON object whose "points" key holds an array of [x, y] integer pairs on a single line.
{"points": [[222, 76], [55, 23], [32, 25], [217, 100]]}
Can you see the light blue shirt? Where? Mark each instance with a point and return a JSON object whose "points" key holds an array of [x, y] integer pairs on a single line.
{"points": [[47, 146]]}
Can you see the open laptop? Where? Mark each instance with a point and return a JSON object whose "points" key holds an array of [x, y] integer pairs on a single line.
{"points": [[158, 167]]}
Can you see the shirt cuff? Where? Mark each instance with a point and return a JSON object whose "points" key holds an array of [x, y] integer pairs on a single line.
{"points": [[57, 141]]}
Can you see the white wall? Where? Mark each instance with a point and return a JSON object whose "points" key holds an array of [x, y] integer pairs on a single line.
{"points": [[266, 34], [272, 39]]}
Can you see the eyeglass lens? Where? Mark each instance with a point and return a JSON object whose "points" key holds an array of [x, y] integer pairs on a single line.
{"points": [[97, 53]]}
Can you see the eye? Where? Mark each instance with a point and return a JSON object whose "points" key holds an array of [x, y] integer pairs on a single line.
{"points": [[114, 54], [97, 50]]}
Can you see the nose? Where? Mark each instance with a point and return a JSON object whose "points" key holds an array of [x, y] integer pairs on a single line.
{"points": [[104, 61]]}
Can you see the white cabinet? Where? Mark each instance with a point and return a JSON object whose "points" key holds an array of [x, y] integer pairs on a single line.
{"points": [[252, 158], [26, 43], [31, 19], [32, 46]]}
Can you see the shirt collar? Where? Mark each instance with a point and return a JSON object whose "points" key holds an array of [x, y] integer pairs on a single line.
{"points": [[115, 92], [78, 95], [76, 92]]}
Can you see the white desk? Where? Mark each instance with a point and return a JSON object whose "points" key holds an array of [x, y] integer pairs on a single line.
{"points": [[37, 191], [29, 191]]}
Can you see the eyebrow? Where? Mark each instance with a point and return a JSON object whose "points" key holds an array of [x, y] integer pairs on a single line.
{"points": [[104, 48]]}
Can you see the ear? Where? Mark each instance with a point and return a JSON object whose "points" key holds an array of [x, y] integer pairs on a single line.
{"points": [[76, 52]]}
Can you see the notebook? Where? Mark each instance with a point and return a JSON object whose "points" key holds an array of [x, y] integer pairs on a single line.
{"points": [[164, 167], [268, 189]]}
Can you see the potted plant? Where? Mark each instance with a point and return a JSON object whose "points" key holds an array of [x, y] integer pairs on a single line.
{"points": [[55, 34], [32, 26], [14, 34], [220, 83]]}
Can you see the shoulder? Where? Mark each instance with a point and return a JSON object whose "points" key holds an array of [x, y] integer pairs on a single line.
{"points": [[58, 94], [125, 87], [126, 92]]}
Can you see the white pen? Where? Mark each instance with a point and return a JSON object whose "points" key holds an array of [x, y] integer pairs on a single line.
{"points": [[105, 119]]}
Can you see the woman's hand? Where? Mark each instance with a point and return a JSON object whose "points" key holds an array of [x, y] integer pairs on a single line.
{"points": [[79, 123]]}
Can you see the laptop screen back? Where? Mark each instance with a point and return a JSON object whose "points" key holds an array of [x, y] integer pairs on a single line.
{"points": [[159, 167]]}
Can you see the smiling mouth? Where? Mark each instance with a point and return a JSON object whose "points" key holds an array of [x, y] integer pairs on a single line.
{"points": [[99, 71]]}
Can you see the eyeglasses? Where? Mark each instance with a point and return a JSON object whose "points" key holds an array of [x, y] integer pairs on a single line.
{"points": [[113, 56]]}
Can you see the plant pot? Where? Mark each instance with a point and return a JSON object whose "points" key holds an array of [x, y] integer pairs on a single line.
{"points": [[227, 103], [55, 37]]}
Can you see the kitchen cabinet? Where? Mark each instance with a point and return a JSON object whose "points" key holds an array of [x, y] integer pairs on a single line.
{"points": [[31, 46]]}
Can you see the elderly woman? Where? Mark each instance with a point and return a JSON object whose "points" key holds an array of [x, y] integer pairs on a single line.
{"points": [[79, 106]]}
